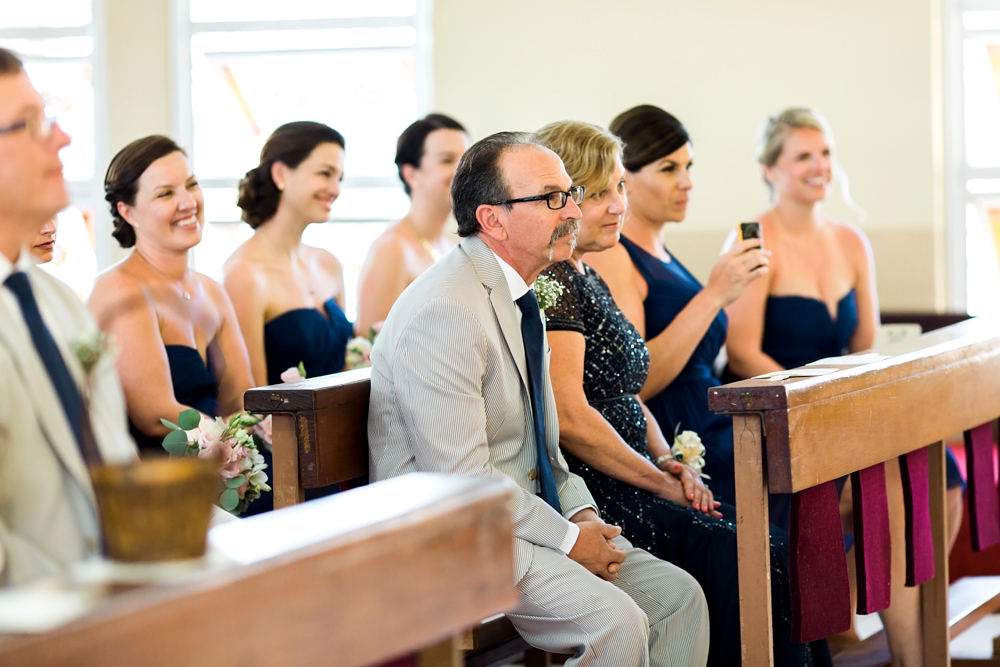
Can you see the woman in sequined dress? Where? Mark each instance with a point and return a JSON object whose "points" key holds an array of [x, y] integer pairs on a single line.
{"points": [[598, 366]]}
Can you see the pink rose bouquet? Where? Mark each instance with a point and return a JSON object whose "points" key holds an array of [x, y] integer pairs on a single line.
{"points": [[235, 444]]}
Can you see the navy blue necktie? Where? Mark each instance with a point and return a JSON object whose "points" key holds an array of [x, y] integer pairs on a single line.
{"points": [[62, 380], [532, 334]]}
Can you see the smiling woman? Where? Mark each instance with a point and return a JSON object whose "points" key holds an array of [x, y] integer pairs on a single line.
{"points": [[178, 339], [289, 297]]}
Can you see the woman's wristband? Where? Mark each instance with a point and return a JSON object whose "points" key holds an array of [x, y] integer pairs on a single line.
{"points": [[659, 460]]}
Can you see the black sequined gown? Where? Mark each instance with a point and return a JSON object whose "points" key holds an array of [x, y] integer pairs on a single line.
{"points": [[616, 362]]}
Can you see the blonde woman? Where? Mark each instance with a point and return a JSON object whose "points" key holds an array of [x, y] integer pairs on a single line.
{"points": [[819, 300], [599, 364]]}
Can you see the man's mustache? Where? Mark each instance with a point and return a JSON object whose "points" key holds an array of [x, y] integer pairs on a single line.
{"points": [[568, 227]]}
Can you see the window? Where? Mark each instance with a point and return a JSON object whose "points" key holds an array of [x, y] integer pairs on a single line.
{"points": [[57, 40], [248, 66]]}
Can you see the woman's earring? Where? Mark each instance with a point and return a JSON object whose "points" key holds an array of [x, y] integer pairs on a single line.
{"points": [[281, 187]]}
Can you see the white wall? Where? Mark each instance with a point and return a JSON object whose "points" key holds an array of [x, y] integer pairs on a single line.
{"points": [[722, 66]]}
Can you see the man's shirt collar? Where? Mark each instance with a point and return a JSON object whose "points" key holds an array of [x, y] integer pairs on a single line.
{"points": [[23, 263], [515, 282]]}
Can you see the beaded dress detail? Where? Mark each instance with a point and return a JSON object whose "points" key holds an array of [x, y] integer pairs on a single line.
{"points": [[616, 362]]}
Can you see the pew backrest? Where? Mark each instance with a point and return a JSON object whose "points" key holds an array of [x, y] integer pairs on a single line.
{"points": [[332, 409]]}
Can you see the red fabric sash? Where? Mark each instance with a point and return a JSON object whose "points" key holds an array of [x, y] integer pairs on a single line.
{"points": [[821, 590], [984, 513], [916, 504], [872, 541]]}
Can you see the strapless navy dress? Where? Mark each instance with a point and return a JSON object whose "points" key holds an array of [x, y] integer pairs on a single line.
{"points": [[319, 343], [193, 386], [799, 330], [305, 335], [683, 403]]}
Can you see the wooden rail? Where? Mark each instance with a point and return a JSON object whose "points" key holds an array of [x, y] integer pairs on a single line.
{"points": [[792, 435], [354, 579]]}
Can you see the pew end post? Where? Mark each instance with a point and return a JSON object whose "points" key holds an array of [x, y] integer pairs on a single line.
{"points": [[808, 431], [319, 430]]}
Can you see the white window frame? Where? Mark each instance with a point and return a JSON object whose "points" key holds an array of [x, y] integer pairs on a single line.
{"points": [[86, 193], [183, 113], [958, 173]]}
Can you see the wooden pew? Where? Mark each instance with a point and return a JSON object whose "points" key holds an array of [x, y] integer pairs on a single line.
{"points": [[793, 435], [320, 437], [353, 580]]}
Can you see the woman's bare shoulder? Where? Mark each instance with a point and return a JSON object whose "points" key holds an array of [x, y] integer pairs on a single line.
{"points": [[324, 258], [117, 280], [391, 245], [119, 290], [850, 237]]}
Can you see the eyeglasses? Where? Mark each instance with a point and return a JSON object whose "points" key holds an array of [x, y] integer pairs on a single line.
{"points": [[554, 200], [39, 125]]}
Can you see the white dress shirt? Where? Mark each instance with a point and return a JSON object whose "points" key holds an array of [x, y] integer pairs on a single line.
{"points": [[519, 288]]}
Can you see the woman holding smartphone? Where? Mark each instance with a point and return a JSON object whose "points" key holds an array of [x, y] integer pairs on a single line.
{"points": [[819, 300], [682, 322]]}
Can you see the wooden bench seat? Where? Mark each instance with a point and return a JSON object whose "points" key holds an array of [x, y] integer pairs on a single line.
{"points": [[320, 437]]}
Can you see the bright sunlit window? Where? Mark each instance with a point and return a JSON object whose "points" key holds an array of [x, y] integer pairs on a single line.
{"points": [[56, 40], [254, 65]]}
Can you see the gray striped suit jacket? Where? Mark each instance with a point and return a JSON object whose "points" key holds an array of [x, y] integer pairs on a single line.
{"points": [[450, 393]]}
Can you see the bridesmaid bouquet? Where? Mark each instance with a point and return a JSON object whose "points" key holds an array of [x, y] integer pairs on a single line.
{"points": [[359, 349], [235, 443], [689, 450]]}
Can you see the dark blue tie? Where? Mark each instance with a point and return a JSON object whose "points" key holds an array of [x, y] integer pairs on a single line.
{"points": [[62, 380], [532, 334]]}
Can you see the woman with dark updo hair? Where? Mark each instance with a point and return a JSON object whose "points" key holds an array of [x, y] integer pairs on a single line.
{"points": [[179, 343], [289, 297], [682, 322]]}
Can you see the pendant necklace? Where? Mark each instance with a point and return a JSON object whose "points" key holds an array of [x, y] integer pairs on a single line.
{"points": [[431, 250], [425, 244]]}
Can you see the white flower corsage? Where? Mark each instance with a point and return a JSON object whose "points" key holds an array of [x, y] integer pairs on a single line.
{"points": [[687, 449], [547, 291]]}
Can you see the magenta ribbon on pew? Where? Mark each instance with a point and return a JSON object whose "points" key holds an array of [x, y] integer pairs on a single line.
{"points": [[917, 509], [872, 542], [821, 590], [984, 513]]}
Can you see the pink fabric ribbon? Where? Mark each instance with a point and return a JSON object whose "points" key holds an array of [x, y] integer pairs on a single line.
{"points": [[821, 591]]}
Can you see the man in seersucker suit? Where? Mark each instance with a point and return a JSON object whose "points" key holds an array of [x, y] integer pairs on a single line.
{"points": [[48, 515], [460, 385]]}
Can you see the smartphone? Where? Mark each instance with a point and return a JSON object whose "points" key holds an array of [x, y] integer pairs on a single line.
{"points": [[750, 230]]}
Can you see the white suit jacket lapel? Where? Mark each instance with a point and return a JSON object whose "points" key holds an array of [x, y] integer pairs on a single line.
{"points": [[503, 304], [14, 334]]}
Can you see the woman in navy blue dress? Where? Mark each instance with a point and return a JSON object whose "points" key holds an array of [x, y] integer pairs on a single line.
{"points": [[682, 322], [819, 300], [289, 297], [178, 338]]}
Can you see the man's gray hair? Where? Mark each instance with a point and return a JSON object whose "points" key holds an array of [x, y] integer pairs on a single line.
{"points": [[479, 178]]}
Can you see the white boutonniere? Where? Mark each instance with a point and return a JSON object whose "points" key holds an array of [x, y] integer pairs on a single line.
{"points": [[90, 350], [689, 450], [547, 291]]}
